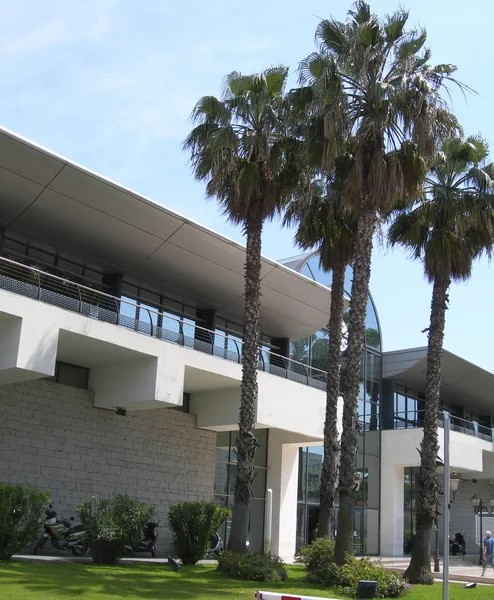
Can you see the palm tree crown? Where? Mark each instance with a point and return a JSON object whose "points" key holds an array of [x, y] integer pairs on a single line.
{"points": [[453, 222], [241, 147], [372, 80]]}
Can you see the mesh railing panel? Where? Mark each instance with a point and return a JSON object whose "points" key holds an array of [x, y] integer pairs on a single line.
{"points": [[69, 295]]}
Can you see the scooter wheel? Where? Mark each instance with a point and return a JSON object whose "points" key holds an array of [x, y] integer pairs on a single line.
{"points": [[78, 550], [39, 544]]}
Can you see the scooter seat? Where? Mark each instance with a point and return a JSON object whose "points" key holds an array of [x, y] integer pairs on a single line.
{"points": [[77, 528]]}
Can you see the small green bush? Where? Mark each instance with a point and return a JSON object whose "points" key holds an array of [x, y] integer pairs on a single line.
{"points": [[250, 566], [316, 555], [390, 584], [112, 525], [192, 525], [21, 510]]}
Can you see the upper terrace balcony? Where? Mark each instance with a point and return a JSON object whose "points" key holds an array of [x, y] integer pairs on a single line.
{"points": [[63, 293]]}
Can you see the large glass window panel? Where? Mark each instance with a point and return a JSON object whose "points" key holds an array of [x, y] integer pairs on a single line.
{"points": [[232, 477], [372, 467], [299, 350], [221, 478], [314, 466], [259, 483], [255, 535], [372, 334], [302, 474], [223, 446], [148, 314], [260, 458], [301, 526]]}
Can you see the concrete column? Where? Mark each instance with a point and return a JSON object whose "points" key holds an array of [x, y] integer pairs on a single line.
{"points": [[283, 480], [392, 509]]}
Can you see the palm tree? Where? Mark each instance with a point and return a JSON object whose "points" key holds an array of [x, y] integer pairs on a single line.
{"points": [[240, 147], [450, 226], [324, 222], [372, 80]]}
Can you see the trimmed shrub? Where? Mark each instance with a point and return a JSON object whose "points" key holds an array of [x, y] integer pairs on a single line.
{"points": [[316, 555], [21, 511], [112, 525], [390, 584], [250, 566], [192, 525]]}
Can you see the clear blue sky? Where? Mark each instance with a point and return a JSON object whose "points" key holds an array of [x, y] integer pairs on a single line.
{"points": [[111, 83]]}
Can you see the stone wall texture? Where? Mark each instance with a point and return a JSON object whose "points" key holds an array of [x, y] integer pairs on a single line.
{"points": [[52, 437]]}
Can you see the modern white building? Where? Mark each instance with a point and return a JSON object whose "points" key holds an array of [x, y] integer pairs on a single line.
{"points": [[121, 342]]}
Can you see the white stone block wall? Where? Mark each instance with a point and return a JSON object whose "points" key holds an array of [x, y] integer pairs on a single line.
{"points": [[52, 437]]}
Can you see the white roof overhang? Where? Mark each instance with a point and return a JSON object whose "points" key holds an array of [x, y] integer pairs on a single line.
{"points": [[73, 211]]}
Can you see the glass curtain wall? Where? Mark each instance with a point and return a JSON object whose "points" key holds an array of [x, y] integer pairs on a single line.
{"points": [[313, 351], [224, 484]]}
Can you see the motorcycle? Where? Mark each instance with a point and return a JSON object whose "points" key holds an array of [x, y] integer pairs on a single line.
{"points": [[215, 546], [148, 543], [62, 534], [457, 545]]}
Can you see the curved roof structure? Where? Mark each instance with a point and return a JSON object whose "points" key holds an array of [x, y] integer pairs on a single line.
{"points": [[71, 209], [308, 264]]}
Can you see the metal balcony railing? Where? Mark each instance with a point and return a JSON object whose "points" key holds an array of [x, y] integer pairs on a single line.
{"points": [[69, 295], [412, 419]]}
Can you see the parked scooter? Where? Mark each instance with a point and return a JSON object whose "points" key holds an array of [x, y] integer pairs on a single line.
{"points": [[148, 543], [215, 546], [62, 534], [457, 545]]}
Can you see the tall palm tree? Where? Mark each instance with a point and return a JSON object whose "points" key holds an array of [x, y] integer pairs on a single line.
{"points": [[372, 80], [450, 226], [325, 222], [240, 147]]}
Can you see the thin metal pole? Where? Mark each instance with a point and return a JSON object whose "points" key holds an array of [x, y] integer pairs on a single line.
{"points": [[446, 511], [268, 521]]}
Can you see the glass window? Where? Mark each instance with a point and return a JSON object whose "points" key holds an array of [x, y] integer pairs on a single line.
{"points": [[223, 446], [221, 478], [72, 375], [68, 265], [259, 483], [302, 474], [260, 458]]}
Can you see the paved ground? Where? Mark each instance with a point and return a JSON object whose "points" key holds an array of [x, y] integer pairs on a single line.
{"points": [[458, 571]]}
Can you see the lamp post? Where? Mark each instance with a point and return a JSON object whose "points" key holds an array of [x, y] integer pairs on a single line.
{"points": [[454, 482], [479, 508]]}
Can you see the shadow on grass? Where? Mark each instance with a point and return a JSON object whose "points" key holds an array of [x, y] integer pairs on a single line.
{"points": [[42, 580]]}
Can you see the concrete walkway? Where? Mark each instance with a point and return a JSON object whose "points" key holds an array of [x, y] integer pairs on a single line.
{"points": [[465, 572]]}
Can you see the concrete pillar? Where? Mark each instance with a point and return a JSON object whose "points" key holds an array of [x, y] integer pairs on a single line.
{"points": [[283, 480], [392, 509]]}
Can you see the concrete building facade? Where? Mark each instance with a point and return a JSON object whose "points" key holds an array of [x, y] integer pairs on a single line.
{"points": [[113, 305]]}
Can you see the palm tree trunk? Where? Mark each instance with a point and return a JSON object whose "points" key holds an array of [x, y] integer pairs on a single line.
{"points": [[351, 386], [419, 570], [329, 474], [246, 442]]}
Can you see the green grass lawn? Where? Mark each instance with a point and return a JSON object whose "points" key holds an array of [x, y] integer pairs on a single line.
{"points": [[68, 581]]}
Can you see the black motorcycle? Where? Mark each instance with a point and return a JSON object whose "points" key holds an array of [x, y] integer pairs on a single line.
{"points": [[148, 543], [457, 545], [62, 534]]}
